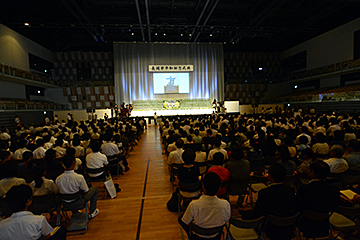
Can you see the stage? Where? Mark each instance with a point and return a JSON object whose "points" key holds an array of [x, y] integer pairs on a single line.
{"points": [[170, 112]]}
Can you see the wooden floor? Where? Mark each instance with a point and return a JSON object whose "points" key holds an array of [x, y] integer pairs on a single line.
{"points": [[139, 210]]}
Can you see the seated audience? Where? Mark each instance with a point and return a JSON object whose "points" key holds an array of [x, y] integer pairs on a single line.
{"points": [[336, 162], [96, 159], [176, 155], [70, 182], [217, 145], [277, 200], [222, 172], [9, 180], [317, 196], [239, 169], [209, 211], [200, 157], [23, 224]]}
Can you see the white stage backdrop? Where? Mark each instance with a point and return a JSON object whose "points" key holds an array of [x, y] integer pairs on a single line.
{"points": [[133, 81]]}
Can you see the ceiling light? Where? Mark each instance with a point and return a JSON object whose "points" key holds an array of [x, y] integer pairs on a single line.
{"points": [[295, 86], [155, 34], [27, 24], [260, 68], [189, 34], [164, 34], [133, 34], [224, 42], [210, 34], [181, 34]]}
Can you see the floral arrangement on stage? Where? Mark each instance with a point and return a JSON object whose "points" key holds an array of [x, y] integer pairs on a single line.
{"points": [[184, 104], [171, 104]]}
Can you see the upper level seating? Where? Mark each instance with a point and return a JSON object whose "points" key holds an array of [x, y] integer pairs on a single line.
{"points": [[16, 72], [24, 104]]}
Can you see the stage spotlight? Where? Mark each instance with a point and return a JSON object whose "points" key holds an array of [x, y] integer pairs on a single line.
{"points": [[288, 104], [181, 34], [189, 34], [295, 86], [27, 24], [132, 34], [155, 34], [260, 68], [210, 35], [39, 91], [164, 34]]}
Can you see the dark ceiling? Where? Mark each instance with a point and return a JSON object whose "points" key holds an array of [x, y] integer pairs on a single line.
{"points": [[242, 25]]}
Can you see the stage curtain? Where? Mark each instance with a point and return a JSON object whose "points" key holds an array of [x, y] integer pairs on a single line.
{"points": [[133, 81]]}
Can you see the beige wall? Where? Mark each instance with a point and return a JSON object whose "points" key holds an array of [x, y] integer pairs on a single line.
{"points": [[14, 49], [81, 115], [248, 109], [331, 47]]}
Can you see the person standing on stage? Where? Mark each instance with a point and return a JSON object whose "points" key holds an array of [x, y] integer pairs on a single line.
{"points": [[106, 117], [214, 105], [116, 109], [155, 118]]}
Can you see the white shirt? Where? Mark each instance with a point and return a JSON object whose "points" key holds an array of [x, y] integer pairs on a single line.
{"points": [[337, 165], [215, 150], [47, 187], [18, 153], [70, 182], [24, 226], [7, 183], [175, 156], [110, 149], [96, 160], [201, 157], [60, 152], [208, 212], [39, 153]]}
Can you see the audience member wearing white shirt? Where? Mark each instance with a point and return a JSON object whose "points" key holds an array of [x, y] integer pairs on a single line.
{"points": [[70, 182], [336, 162], [9, 180], [23, 224], [176, 156], [96, 159]]}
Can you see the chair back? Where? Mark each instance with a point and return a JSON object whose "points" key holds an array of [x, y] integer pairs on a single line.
{"points": [[190, 187], [72, 196], [205, 231], [95, 170], [247, 224], [112, 159], [282, 221], [349, 212], [315, 216], [174, 168]]}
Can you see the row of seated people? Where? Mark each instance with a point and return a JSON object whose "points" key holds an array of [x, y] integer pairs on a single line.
{"points": [[259, 144], [43, 168], [253, 147], [276, 199]]}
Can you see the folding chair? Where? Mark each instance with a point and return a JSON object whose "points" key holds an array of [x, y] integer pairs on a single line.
{"points": [[101, 178], [196, 230], [345, 220], [282, 222], [256, 184], [310, 224], [244, 229], [72, 202], [174, 170], [114, 161], [193, 189]]}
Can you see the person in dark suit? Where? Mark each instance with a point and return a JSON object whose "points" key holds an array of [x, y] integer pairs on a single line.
{"points": [[317, 196], [278, 200]]}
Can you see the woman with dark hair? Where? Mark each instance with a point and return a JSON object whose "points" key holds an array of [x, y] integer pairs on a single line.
{"points": [[285, 160], [42, 186]]}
